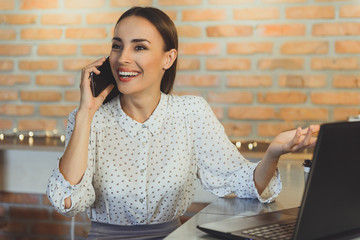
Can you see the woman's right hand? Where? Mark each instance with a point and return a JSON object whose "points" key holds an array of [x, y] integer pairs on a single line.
{"points": [[89, 103]]}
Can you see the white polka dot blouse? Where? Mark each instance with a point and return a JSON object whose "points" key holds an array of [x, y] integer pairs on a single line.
{"points": [[144, 173]]}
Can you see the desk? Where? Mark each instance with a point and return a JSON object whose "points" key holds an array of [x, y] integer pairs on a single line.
{"points": [[292, 175]]}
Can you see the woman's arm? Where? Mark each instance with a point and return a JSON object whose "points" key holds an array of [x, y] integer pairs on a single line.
{"points": [[74, 160], [285, 142], [82, 195]]}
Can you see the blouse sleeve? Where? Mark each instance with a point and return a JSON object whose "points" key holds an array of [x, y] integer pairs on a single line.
{"points": [[221, 168], [82, 194]]}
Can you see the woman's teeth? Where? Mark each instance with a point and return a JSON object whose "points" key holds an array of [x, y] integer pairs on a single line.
{"points": [[128, 74]]}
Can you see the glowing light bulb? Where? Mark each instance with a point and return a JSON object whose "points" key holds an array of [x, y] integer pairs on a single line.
{"points": [[62, 138], [47, 134], [31, 141], [31, 134], [2, 136], [238, 144], [250, 146], [21, 137]]}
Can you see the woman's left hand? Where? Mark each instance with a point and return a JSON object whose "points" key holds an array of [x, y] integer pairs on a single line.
{"points": [[293, 141]]}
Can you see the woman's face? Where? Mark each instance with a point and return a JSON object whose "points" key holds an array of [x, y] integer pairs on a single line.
{"points": [[138, 60]]}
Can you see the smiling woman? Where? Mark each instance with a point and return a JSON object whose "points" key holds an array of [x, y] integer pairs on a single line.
{"points": [[132, 162], [138, 58], [163, 26]]}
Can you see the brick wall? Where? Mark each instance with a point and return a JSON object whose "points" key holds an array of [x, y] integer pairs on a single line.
{"points": [[263, 65], [31, 217]]}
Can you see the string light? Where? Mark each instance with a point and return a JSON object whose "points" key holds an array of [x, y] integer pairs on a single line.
{"points": [[46, 137], [31, 141], [238, 144], [21, 137]]}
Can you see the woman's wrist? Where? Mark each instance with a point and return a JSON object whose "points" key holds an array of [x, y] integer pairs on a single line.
{"points": [[273, 154], [85, 115]]}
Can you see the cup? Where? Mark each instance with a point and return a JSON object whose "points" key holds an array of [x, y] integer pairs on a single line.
{"points": [[307, 167]]}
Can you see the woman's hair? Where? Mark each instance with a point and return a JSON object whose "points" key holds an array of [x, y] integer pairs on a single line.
{"points": [[167, 30]]}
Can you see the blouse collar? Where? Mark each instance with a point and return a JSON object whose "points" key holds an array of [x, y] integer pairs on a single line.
{"points": [[153, 123]]}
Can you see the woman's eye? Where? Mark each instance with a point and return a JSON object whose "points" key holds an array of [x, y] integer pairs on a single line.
{"points": [[116, 47], [140, 47]]}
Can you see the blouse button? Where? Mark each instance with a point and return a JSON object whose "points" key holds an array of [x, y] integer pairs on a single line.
{"points": [[141, 200]]}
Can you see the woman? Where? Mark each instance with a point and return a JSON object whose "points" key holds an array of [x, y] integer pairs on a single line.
{"points": [[132, 162]]}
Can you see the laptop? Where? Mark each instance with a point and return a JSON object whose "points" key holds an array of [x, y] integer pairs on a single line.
{"points": [[330, 206]]}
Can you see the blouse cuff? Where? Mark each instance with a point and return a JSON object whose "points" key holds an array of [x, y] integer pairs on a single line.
{"points": [[68, 190], [272, 190]]}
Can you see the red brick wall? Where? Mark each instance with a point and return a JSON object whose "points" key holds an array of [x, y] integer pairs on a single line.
{"points": [[263, 65], [30, 217]]}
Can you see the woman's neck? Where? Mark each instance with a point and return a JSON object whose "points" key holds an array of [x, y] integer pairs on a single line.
{"points": [[139, 108]]}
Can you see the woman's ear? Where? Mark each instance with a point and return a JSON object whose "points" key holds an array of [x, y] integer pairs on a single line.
{"points": [[170, 57]]}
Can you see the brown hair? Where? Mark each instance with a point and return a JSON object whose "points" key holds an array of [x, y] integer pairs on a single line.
{"points": [[167, 30]]}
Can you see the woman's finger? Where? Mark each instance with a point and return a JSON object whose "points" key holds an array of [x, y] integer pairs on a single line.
{"points": [[97, 63], [86, 71], [102, 96], [295, 140], [308, 140], [92, 67], [315, 130], [308, 136]]}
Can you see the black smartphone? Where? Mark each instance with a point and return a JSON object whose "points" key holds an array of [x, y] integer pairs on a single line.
{"points": [[104, 79]]}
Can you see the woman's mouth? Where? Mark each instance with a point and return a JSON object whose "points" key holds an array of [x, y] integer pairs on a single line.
{"points": [[126, 76]]}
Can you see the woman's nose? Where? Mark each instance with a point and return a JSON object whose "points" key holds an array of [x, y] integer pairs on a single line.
{"points": [[125, 56]]}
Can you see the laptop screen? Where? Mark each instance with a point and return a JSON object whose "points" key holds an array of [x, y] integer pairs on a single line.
{"points": [[331, 199]]}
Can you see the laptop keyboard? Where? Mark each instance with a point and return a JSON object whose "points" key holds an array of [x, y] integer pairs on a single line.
{"points": [[276, 231]]}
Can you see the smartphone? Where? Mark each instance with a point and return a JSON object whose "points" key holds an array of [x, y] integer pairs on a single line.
{"points": [[104, 79]]}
